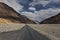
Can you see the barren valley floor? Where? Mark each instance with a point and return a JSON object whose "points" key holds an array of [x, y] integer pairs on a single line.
{"points": [[29, 32]]}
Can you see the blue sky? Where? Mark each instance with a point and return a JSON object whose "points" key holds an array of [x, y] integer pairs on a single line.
{"points": [[36, 10]]}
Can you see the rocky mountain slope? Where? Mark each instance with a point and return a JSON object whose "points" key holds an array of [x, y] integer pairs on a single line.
{"points": [[53, 20], [9, 15]]}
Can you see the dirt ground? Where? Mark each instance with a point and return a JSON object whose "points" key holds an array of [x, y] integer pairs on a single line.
{"points": [[29, 32]]}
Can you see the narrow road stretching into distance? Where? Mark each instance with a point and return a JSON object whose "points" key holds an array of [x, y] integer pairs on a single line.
{"points": [[25, 33]]}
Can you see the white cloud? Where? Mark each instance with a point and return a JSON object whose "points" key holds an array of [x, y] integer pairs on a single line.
{"points": [[29, 15], [42, 14], [42, 2], [54, 0], [32, 8], [13, 4]]}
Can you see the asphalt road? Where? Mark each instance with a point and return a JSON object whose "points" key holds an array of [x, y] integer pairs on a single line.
{"points": [[25, 33]]}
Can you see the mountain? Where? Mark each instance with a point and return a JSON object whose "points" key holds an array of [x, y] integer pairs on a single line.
{"points": [[9, 15], [52, 20]]}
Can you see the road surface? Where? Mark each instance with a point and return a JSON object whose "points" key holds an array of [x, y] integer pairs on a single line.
{"points": [[25, 33], [29, 32]]}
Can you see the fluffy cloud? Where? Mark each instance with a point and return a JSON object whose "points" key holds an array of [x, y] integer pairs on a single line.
{"points": [[55, 1], [46, 13], [31, 16], [43, 2], [41, 15], [13, 4], [32, 8]]}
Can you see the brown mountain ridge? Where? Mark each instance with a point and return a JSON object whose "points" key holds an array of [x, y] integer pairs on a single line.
{"points": [[9, 15], [52, 20]]}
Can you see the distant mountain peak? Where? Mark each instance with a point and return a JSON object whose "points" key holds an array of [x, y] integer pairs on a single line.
{"points": [[52, 20]]}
